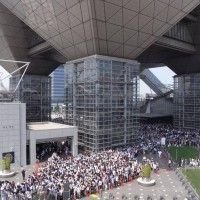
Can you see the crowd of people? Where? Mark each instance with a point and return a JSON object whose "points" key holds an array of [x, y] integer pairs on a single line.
{"points": [[96, 172], [45, 150], [85, 174], [174, 137], [194, 162]]}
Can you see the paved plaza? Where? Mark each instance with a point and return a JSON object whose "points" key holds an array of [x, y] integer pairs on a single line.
{"points": [[167, 186], [18, 177]]}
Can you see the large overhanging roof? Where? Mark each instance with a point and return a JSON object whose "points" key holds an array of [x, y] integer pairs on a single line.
{"points": [[13, 44], [120, 28], [177, 61]]}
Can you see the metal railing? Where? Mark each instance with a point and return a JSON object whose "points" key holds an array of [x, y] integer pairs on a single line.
{"points": [[192, 192]]}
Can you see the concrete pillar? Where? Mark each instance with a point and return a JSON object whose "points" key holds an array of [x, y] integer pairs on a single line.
{"points": [[22, 117], [32, 150], [75, 143], [125, 105]]}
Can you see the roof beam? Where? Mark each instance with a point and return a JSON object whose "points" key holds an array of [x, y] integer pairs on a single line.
{"points": [[40, 48], [176, 45]]}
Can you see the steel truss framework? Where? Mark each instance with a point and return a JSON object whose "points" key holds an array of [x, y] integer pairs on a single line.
{"points": [[9, 95], [101, 99], [35, 91], [187, 101]]}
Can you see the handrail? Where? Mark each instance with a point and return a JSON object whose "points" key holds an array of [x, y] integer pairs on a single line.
{"points": [[179, 171]]}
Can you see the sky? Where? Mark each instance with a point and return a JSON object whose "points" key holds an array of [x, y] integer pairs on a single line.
{"points": [[4, 73], [164, 74]]}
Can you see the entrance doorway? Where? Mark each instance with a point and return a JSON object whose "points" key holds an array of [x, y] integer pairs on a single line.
{"points": [[45, 149]]}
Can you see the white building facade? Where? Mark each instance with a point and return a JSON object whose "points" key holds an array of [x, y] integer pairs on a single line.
{"points": [[16, 135], [13, 131]]}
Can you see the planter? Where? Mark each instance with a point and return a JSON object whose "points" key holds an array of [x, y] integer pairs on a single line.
{"points": [[6, 174], [146, 182]]}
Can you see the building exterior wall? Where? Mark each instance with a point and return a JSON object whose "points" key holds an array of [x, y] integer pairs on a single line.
{"points": [[101, 99], [163, 105], [35, 91], [13, 131], [57, 86], [187, 101]]}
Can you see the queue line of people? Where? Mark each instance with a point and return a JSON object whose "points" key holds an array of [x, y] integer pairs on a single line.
{"points": [[85, 174]]}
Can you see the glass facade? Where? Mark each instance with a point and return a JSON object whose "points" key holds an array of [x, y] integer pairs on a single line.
{"points": [[187, 101], [182, 31], [101, 99], [57, 85], [35, 91]]}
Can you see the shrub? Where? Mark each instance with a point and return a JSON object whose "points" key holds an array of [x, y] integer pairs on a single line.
{"points": [[93, 197], [146, 171], [5, 163]]}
